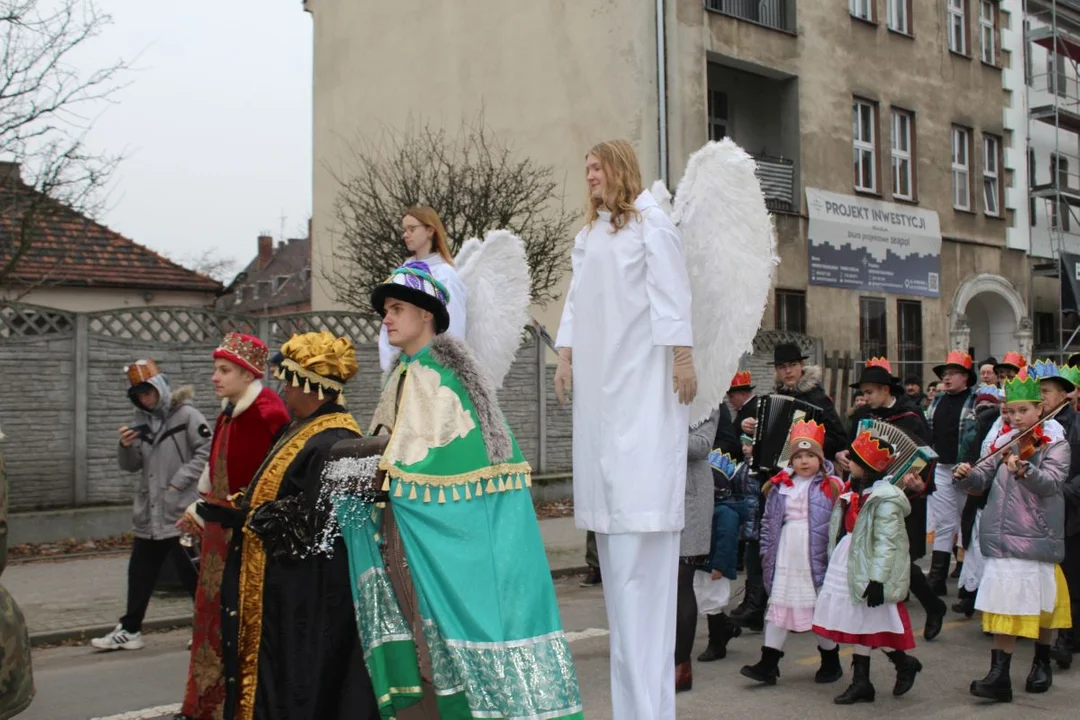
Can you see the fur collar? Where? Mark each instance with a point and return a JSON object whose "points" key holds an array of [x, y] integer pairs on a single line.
{"points": [[246, 400], [182, 395], [811, 378]]}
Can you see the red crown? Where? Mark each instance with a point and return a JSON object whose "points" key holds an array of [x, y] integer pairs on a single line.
{"points": [[961, 358], [247, 351], [1015, 359], [811, 431], [1022, 375], [742, 379], [870, 451], [881, 363]]}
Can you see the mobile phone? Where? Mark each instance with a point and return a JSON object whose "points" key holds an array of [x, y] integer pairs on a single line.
{"points": [[143, 431]]}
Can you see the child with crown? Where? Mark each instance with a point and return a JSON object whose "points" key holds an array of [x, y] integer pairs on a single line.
{"points": [[1023, 592], [794, 551], [861, 602]]}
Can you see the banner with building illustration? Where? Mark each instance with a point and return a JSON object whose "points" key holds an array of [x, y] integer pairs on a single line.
{"points": [[861, 244]]}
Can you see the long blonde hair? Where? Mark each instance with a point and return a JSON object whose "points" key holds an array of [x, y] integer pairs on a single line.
{"points": [[623, 183], [429, 218]]}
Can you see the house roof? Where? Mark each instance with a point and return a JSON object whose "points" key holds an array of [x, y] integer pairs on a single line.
{"points": [[282, 282], [69, 249]]}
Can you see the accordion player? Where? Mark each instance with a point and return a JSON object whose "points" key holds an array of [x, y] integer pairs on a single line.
{"points": [[775, 416], [911, 454]]}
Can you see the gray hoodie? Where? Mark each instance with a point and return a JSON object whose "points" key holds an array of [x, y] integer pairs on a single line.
{"points": [[171, 461]]}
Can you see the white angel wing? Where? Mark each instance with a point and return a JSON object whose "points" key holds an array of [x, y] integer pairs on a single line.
{"points": [[496, 276], [730, 245]]}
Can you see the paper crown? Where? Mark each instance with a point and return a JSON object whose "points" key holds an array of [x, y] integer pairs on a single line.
{"points": [[318, 361], [805, 436], [140, 371], [1071, 374], [961, 358], [873, 452], [1013, 359], [1022, 388], [989, 393], [413, 283], [742, 379], [879, 362], [247, 351], [722, 463]]}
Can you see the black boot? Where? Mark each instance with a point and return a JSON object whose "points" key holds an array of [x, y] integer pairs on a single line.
{"points": [[965, 602], [830, 670], [860, 690], [750, 614], [997, 685], [1061, 652], [1041, 676], [955, 574], [721, 630], [935, 618], [907, 667], [939, 571], [767, 668]]}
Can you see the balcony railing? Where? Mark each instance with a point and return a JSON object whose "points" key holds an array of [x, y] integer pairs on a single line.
{"points": [[775, 14], [777, 177]]}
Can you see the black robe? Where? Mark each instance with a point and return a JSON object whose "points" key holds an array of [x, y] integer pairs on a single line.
{"points": [[311, 664], [909, 418]]}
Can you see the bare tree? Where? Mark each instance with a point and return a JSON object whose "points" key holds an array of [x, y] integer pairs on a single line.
{"points": [[210, 264], [46, 107], [475, 183]]}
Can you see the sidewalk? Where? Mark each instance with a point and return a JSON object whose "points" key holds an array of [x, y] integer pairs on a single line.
{"points": [[83, 598]]}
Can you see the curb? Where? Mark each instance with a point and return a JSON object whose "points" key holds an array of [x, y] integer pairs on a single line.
{"points": [[52, 637]]}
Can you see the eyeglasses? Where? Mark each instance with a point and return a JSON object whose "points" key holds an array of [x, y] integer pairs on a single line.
{"points": [[410, 229]]}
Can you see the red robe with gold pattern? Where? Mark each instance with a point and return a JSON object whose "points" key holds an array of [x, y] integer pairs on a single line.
{"points": [[242, 438]]}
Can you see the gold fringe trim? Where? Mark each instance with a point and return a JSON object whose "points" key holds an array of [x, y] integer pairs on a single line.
{"points": [[399, 492], [454, 493], [442, 496], [500, 484], [412, 492], [427, 493], [483, 474]]}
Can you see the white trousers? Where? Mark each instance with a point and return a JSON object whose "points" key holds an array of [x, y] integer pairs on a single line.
{"points": [[640, 572], [944, 506]]}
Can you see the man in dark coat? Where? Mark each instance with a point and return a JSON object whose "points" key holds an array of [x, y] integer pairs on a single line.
{"points": [[291, 645], [803, 382], [887, 401]]}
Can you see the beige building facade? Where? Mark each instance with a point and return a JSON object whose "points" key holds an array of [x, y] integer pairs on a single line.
{"points": [[783, 78]]}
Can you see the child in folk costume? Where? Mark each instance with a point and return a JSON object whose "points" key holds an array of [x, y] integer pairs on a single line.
{"points": [[1023, 592], [861, 602], [794, 551]]}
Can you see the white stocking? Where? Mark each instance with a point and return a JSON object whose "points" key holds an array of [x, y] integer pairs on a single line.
{"points": [[826, 643], [775, 636], [862, 650]]}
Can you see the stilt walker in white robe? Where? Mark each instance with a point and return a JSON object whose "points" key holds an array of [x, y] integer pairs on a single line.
{"points": [[625, 342]]}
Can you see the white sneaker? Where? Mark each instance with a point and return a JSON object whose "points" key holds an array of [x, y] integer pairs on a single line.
{"points": [[119, 639]]}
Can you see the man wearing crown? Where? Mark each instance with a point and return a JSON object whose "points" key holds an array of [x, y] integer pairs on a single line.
{"points": [[1009, 366], [290, 644], [251, 415], [886, 401], [954, 429]]}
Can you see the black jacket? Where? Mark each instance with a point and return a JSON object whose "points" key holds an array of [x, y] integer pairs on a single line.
{"points": [[727, 435], [809, 390]]}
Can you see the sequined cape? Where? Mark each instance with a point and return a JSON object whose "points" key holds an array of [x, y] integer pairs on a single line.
{"points": [[490, 617]]}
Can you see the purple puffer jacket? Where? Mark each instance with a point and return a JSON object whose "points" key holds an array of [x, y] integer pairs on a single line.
{"points": [[822, 498]]}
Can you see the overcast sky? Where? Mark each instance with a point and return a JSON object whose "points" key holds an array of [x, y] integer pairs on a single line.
{"points": [[215, 125]]}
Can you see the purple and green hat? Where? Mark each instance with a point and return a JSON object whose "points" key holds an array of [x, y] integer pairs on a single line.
{"points": [[413, 283]]}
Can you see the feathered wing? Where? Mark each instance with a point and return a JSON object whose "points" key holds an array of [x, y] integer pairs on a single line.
{"points": [[496, 276], [729, 240]]}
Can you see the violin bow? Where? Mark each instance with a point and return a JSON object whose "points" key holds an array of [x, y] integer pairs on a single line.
{"points": [[1027, 432]]}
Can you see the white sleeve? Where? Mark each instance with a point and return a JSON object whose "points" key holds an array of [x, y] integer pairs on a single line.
{"points": [[458, 305], [386, 351], [565, 336], [666, 282]]}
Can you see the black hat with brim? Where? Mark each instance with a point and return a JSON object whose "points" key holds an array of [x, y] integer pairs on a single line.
{"points": [[878, 376], [1066, 385], [939, 370], [419, 298], [787, 352], [1074, 360]]}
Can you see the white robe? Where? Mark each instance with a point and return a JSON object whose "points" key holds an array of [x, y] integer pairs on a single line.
{"points": [[628, 304], [447, 275]]}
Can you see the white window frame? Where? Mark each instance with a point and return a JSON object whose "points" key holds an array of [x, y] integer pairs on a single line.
{"points": [[992, 175], [862, 9], [862, 146], [901, 130], [961, 167], [988, 31], [957, 22], [898, 19]]}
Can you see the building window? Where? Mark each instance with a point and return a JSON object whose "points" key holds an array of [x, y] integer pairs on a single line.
{"points": [[961, 167], [239, 296], [1031, 185], [864, 122], [958, 26], [718, 115], [992, 175], [1059, 211], [1045, 333], [899, 12], [873, 338], [791, 310], [862, 9], [909, 338], [902, 135], [988, 31]]}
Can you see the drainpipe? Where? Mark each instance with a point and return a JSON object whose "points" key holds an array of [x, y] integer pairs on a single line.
{"points": [[661, 87]]}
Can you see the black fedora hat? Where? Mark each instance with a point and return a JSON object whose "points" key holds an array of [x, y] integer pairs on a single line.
{"points": [[787, 352], [878, 375]]}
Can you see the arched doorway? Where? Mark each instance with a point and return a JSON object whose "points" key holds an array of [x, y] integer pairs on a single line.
{"points": [[990, 317]]}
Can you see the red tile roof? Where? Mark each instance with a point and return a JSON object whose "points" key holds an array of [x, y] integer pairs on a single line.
{"points": [[69, 249]]}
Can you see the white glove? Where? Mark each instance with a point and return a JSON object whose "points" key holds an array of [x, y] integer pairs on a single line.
{"points": [[564, 375]]}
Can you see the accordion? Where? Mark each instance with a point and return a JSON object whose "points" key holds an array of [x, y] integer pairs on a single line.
{"points": [[775, 416], [911, 454]]}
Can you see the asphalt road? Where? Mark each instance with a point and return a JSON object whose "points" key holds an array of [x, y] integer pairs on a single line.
{"points": [[79, 684]]}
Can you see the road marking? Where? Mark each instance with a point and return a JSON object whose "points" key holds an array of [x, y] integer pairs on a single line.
{"points": [[146, 714], [586, 634]]}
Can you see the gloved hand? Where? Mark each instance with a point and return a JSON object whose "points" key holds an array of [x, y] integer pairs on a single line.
{"points": [[684, 379], [875, 594], [286, 527], [227, 517], [564, 374]]}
